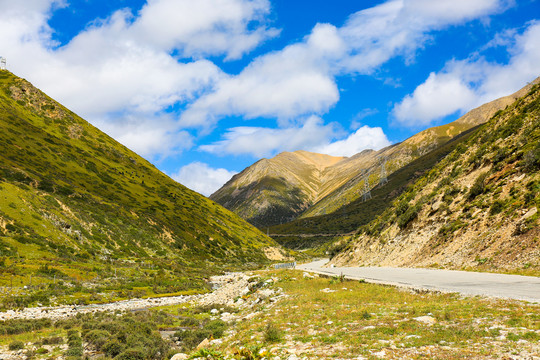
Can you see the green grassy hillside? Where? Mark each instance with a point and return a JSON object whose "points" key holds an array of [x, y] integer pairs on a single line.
{"points": [[72, 199], [477, 208]]}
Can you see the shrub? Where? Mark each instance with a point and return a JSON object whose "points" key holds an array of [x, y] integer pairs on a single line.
{"points": [[408, 216], [16, 345], [216, 327], [272, 334], [52, 340], [366, 315], [531, 160], [131, 354], [496, 207], [191, 338], [112, 348], [478, 186], [98, 338]]}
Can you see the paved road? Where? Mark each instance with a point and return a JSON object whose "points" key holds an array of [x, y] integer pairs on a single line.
{"points": [[468, 283]]}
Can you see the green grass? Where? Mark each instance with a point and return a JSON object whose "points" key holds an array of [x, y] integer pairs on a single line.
{"points": [[72, 196], [361, 319], [346, 320]]}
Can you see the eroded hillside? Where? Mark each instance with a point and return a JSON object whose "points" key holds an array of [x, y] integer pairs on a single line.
{"points": [[477, 208]]}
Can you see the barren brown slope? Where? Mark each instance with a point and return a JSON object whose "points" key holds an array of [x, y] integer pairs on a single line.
{"points": [[477, 208]]}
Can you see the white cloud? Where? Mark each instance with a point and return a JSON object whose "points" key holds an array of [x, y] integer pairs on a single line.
{"points": [[261, 142], [203, 27], [312, 136], [123, 64], [153, 137], [299, 80], [202, 178], [282, 84], [364, 138], [440, 95], [468, 83]]}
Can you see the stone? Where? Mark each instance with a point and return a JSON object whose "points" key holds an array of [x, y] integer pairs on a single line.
{"points": [[214, 311], [180, 356], [327, 290], [205, 343], [265, 293], [428, 320]]}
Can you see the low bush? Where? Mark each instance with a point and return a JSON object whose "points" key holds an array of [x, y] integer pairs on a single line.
{"points": [[272, 334], [16, 345]]}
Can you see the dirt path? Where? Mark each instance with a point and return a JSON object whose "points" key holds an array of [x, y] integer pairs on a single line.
{"points": [[516, 287]]}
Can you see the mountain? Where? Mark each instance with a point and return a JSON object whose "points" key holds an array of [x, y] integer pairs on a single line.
{"points": [[70, 193], [306, 185], [477, 208], [278, 189]]}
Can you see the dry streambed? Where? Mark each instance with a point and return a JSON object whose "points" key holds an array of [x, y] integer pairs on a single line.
{"points": [[228, 290]]}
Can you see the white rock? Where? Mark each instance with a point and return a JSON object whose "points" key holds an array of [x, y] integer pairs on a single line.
{"points": [[428, 320], [180, 356], [328, 290], [214, 311], [203, 344]]}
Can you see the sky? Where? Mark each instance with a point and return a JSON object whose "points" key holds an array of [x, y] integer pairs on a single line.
{"points": [[203, 89]]}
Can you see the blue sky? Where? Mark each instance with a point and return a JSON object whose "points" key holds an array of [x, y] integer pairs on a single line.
{"points": [[205, 88]]}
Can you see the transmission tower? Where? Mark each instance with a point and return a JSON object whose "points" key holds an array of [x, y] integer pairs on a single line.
{"points": [[384, 176], [3, 63], [366, 194]]}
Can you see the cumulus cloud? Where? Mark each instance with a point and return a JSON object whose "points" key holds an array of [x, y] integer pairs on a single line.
{"points": [[364, 138], [202, 178], [464, 84], [123, 64], [261, 142], [313, 135], [154, 138], [282, 84], [299, 80], [204, 27]]}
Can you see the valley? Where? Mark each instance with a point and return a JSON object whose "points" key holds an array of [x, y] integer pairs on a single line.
{"points": [[99, 247]]}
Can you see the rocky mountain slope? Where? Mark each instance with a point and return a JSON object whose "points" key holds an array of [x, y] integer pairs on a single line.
{"points": [[69, 192], [303, 185], [477, 208]]}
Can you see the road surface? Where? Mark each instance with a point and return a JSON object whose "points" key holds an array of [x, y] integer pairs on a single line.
{"points": [[468, 283]]}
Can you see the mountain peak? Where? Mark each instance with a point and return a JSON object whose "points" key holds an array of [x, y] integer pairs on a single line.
{"points": [[321, 160]]}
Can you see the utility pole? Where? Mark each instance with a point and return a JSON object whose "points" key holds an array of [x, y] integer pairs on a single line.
{"points": [[3, 63]]}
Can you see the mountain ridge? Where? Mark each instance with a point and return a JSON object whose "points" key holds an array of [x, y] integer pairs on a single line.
{"points": [[272, 192]]}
